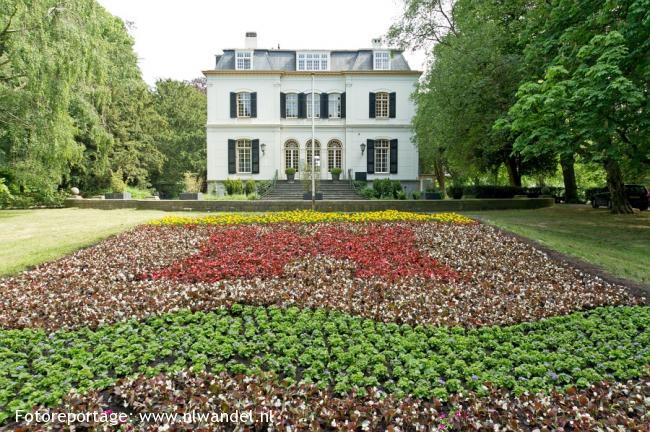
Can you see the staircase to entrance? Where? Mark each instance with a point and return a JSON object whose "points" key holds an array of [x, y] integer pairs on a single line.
{"points": [[332, 190]]}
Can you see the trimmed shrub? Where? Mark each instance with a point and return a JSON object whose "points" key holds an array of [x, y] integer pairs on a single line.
{"points": [[249, 187], [387, 188], [492, 191], [233, 186], [416, 195]]}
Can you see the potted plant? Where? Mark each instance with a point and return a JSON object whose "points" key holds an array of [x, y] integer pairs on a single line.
{"points": [[193, 184], [306, 182], [118, 187], [291, 174], [336, 173]]}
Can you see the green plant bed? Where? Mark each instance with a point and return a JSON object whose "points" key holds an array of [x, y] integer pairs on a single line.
{"points": [[330, 349], [237, 197]]}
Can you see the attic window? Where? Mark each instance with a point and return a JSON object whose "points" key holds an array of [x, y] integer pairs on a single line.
{"points": [[244, 60], [313, 61], [381, 60]]}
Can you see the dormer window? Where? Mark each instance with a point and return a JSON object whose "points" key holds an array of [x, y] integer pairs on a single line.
{"points": [[244, 60], [381, 60], [312, 61]]}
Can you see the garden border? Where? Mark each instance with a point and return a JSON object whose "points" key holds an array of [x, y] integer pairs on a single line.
{"points": [[327, 206]]}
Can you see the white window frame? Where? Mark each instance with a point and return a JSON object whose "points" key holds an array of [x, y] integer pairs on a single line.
{"points": [[244, 105], [312, 61], [292, 155], [381, 60], [294, 98], [244, 153], [382, 156], [334, 154], [316, 105], [382, 105], [243, 56], [334, 99]]}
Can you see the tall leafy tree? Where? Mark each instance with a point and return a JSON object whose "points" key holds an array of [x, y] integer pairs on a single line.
{"points": [[183, 106], [593, 99]]}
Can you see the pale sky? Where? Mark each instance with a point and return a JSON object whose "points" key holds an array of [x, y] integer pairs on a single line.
{"points": [[179, 39]]}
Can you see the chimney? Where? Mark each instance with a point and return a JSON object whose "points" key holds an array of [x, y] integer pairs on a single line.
{"points": [[376, 43], [251, 40]]}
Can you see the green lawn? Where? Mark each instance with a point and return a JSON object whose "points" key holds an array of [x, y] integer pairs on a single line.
{"points": [[30, 237], [618, 244]]}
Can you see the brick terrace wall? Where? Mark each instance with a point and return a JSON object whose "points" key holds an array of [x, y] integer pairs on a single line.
{"points": [[344, 206]]}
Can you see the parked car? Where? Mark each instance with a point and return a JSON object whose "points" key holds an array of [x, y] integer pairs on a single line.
{"points": [[637, 195]]}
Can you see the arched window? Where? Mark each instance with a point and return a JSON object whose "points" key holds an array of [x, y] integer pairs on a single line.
{"points": [[291, 155], [334, 154], [244, 158], [316, 154]]}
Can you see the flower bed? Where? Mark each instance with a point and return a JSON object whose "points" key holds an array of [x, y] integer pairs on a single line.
{"points": [[383, 319]]}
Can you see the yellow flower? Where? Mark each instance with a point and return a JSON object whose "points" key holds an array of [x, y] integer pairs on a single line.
{"points": [[308, 216]]}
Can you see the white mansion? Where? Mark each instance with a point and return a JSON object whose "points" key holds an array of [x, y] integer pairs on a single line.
{"points": [[260, 113]]}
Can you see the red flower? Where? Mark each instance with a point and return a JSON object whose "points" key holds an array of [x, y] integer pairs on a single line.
{"points": [[383, 251]]}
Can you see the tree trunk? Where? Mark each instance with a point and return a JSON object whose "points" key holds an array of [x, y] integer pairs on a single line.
{"points": [[618, 198], [513, 172], [439, 172], [567, 163]]}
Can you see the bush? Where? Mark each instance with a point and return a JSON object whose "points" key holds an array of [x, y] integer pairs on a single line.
{"points": [[117, 183], [401, 195], [456, 192], [336, 171], [368, 193], [290, 171], [416, 195], [233, 186], [533, 192], [359, 184], [387, 188], [249, 187], [492, 191]]}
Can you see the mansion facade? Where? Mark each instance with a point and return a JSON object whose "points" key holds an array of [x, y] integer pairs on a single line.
{"points": [[260, 111]]}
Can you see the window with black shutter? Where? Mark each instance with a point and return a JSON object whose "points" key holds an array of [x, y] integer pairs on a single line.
{"points": [[283, 105], [393, 156], [233, 105], [392, 105], [343, 105], [371, 105], [370, 156], [254, 105], [324, 104], [256, 156], [232, 157]]}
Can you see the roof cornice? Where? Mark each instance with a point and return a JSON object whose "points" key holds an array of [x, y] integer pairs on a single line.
{"points": [[309, 73]]}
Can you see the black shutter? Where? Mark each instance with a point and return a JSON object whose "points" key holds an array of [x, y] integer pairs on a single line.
{"points": [[323, 105], [232, 164], [392, 105], [302, 105], [255, 159], [371, 106], [254, 104], [233, 105], [370, 155], [283, 105], [343, 105], [393, 156]]}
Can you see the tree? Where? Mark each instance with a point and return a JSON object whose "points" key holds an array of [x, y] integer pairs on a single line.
{"points": [[183, 106], [593, 97]]}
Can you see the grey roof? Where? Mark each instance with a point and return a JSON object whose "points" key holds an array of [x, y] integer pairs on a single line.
{"points": [[285, 60]]}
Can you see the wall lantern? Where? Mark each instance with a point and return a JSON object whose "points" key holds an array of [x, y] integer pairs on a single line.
{"points": [[363, 148], [263, 147]]}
